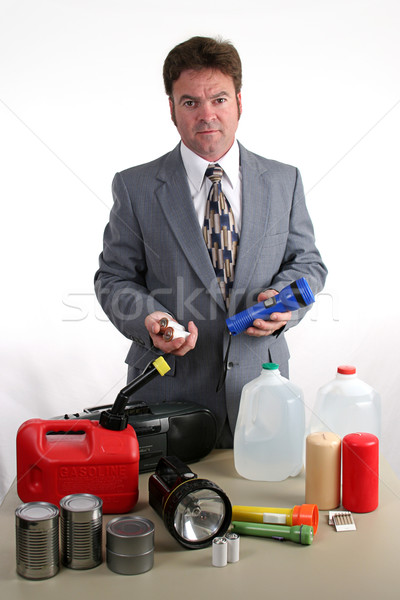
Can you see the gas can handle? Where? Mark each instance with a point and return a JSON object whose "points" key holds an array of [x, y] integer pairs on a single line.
{"points": [[45, 428]]}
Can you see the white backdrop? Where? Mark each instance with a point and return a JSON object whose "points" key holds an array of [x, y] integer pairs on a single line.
{"points": [[81, 97]]}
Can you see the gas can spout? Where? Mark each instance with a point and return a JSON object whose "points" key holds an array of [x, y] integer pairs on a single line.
{"points": [[116, 418]]}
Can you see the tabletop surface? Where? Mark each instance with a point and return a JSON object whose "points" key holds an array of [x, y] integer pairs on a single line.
{"points": [[354, 564]]}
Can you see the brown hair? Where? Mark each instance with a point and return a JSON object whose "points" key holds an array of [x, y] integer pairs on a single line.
{"points": [[202, 53]]}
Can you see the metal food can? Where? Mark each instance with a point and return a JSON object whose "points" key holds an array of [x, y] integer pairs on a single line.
{"points": [[37, 540], [81, 531], [130, 545]]}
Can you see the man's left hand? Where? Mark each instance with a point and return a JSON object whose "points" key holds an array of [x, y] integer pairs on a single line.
{"points": [[277, 320]]}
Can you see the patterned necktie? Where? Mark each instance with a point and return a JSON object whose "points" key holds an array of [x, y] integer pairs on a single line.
{"points": [[220, 233]]}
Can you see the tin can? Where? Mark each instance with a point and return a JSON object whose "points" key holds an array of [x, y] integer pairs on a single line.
{"points": [[37, 540], [130, 545], [81, 531]]}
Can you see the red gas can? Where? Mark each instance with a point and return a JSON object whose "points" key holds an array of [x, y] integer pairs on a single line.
{"points": [[57, 457]]}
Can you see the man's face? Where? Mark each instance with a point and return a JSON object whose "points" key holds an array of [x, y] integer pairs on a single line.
{"points": [[206, 111]]}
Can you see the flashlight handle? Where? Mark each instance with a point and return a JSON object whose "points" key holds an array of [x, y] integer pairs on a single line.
{"points": [[259, 514], [294, 296], [241, 321], [301, 534], [303, 514]]}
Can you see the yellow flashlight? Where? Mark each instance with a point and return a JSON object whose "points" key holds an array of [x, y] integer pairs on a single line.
{"points": [[304, 514]]}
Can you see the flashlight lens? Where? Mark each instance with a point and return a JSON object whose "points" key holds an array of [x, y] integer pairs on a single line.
{"points": [[199, 515]]}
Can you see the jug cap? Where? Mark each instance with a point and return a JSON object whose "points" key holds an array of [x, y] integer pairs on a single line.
{"points": [[270, 366], [346, 370]]}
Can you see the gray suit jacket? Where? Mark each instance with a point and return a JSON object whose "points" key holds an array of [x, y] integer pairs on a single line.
{"points": [[154, 258]]}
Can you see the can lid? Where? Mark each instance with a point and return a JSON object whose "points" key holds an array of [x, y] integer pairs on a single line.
{"points": [[130, 535], [130, 526], [37, 511], [346, 370], [81, 502], [270, 366]]}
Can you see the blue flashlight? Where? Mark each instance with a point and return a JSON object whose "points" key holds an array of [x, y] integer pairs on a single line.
{"points": [[294, 296]]}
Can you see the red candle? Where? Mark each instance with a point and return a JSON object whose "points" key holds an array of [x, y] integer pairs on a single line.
{"points": [[360, 472]]}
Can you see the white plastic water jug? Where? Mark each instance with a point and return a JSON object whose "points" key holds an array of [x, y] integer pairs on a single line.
{"points": [[270, 430], [347, 405]]}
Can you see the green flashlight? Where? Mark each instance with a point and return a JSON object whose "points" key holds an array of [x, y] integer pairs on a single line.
{"points": [[302, 534]]}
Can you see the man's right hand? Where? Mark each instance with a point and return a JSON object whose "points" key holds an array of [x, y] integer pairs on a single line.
{"points": [[178, 346]]}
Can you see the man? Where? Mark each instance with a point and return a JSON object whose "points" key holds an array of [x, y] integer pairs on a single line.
{"points": [[156, 263]]}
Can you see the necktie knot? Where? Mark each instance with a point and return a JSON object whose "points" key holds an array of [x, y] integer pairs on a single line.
{"points": [[214, 173]]}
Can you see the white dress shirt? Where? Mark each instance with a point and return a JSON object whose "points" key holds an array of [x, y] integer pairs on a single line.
{"points": [[199, 185]]}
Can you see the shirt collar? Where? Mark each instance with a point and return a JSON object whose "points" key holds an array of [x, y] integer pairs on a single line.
{"points": [[196, 166]]}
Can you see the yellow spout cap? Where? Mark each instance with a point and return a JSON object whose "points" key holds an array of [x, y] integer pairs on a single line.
{"points": [[161, 365]]}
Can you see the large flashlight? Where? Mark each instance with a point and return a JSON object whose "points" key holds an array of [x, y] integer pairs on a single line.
{"points": [[194, 511], [294, 296]]}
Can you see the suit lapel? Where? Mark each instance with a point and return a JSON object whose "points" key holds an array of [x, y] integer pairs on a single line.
{"points": [[174, 196], [255, 210]]}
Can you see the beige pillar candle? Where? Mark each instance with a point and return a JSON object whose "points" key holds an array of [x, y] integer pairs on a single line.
{"points": [[323, 459]]}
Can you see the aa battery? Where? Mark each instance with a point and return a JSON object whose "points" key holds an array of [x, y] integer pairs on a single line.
{"points": [[164, 323], [171, 329], [172, 333], [37, 545], [233, 543], [81, 531], [219, 552]]}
